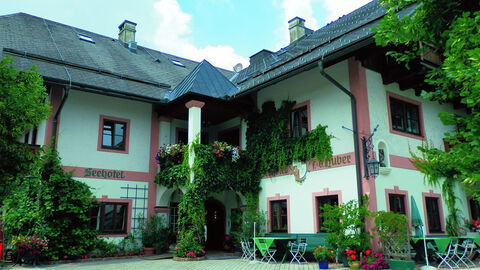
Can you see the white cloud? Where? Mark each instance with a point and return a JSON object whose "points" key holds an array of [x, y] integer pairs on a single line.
{"points": [[292, 9], [338, 8], [173, 28]]}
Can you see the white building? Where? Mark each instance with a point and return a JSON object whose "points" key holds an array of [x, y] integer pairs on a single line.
{"points": [[119, 101]]}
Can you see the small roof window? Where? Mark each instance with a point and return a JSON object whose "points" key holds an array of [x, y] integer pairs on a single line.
{"points": [[177, 63], [85, 38]]}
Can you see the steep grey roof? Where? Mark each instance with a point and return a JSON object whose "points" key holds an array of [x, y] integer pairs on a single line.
{"points": [[205, 80], [106, 64], [347, 30]]}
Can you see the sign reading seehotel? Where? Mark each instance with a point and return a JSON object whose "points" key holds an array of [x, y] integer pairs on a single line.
{"points": [[105, 174]]}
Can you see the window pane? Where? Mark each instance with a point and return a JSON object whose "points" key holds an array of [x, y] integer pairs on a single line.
{"points": [[474, 209], [113, 134], [295, 124], [321, 201], [279, 216], [405, 116], [120, 218], [304, 117], [108, 223], [433, 215], [397, 203]]}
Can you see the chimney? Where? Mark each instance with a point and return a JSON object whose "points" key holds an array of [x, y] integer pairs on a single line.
{"points": [[297, 29], [127, 34]]}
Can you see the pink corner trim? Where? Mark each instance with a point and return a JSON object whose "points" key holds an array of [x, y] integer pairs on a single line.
{"points": [[420, 115], [406, 200], [105, 199], [55, 100], [402, 162], [440, 209], [194, 103], [81, 172], [100, 135], [153, 167], [309, 117], [277, 197], [325, 192]]}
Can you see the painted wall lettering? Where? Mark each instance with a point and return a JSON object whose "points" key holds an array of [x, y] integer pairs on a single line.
{"points": [[106, 174]]}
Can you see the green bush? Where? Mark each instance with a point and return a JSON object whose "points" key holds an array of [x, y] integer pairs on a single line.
{"points": [[156, 233]]}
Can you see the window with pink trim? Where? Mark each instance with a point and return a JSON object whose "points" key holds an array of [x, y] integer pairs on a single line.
{"points": [[279, 216], [433, 211], [320, 202], [300, 119], [109, 218], [113, 134], [405, 116]]}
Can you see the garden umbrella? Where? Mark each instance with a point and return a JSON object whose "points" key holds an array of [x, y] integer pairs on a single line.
{"points": [[418, 225]]}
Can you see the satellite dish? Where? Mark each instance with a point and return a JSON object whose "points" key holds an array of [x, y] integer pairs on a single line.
{"points": [[238, 67]]}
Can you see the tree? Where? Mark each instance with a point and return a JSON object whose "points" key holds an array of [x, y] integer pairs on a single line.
{"points": [[22, 107], [55, 206], [452, 28]]}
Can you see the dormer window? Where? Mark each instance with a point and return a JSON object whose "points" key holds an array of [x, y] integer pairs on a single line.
{"points": [[85, 38]]}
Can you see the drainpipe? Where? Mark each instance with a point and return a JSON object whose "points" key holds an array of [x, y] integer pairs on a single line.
{"points": [[57, 113], [353, 103]]}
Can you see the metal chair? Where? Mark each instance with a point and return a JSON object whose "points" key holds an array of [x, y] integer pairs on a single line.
{"points": [[297, 250], [464, 251], [268, 252], [247, 251], [448, 256]]}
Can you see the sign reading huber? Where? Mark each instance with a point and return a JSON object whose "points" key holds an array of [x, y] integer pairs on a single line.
{"points": [[106, 174]]}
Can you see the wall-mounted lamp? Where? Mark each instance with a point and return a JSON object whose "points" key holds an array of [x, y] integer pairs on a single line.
{"points": [[370, 164]]}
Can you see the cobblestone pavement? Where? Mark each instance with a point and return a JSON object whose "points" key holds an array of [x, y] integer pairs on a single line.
{"points": [[167, 264]]}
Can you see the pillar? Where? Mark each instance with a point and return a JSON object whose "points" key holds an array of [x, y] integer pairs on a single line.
{"points": [[194, 128]]}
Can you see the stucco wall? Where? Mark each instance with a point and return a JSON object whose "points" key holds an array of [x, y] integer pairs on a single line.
{"points": [[79, 129]]}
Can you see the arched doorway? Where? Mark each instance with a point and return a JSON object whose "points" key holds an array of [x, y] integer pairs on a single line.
{"points": [[215, 223]]}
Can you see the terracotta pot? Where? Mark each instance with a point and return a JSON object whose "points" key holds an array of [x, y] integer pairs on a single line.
{"points": [[354, 265], [148, 251]]}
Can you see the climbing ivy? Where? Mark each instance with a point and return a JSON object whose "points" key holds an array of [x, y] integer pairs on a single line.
{"points": [[219, 167], [270, 146]]}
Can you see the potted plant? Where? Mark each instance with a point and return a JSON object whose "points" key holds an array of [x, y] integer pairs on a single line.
{"points": [[322, 254], [352, 258], [394, 237], [155, 234], [373, 260], [344, 224], [473, 226]]}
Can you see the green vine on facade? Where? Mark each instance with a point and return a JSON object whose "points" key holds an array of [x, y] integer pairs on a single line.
{"points": [[221, 167]]}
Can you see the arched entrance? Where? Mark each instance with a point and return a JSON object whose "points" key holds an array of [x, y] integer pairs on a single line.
{"points": [[215, 223]]}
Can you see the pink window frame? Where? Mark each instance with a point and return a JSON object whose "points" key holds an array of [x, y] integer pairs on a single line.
{"points": [[397, 191], [420, 117], [309, 118], [315, 195], [277, 197], [100, 134], [105, 199], [440, 209]]}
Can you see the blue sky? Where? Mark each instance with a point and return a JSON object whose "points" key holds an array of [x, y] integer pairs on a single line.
{"points": [[224, 32]]}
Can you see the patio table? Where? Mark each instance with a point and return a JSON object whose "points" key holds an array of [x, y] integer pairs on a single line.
{"points": [[280, 242]]}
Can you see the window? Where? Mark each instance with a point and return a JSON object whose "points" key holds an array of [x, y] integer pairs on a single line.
{"points": [[109, 218], [405, 116], [321, 201], [433, 215], [474, 208], [397, 203], [113, 134], [230, 136], [173, 216], [85, 38], [279, 219], [299, 121]]}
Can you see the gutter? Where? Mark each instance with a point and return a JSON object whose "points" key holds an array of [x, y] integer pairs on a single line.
{"points": [[57, 113], [353, 103]]}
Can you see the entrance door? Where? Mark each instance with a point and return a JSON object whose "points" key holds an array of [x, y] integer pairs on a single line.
{"points": [[215, 223]]}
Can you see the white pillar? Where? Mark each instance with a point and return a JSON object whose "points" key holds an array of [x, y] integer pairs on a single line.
{"points": [[164, 130], [194, 128]]}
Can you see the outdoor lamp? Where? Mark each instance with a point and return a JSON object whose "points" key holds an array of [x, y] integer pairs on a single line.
{"points": [[373, 167]]}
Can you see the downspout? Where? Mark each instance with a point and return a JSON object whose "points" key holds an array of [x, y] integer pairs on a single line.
{"points": [[353, 103], [57, 113]]}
